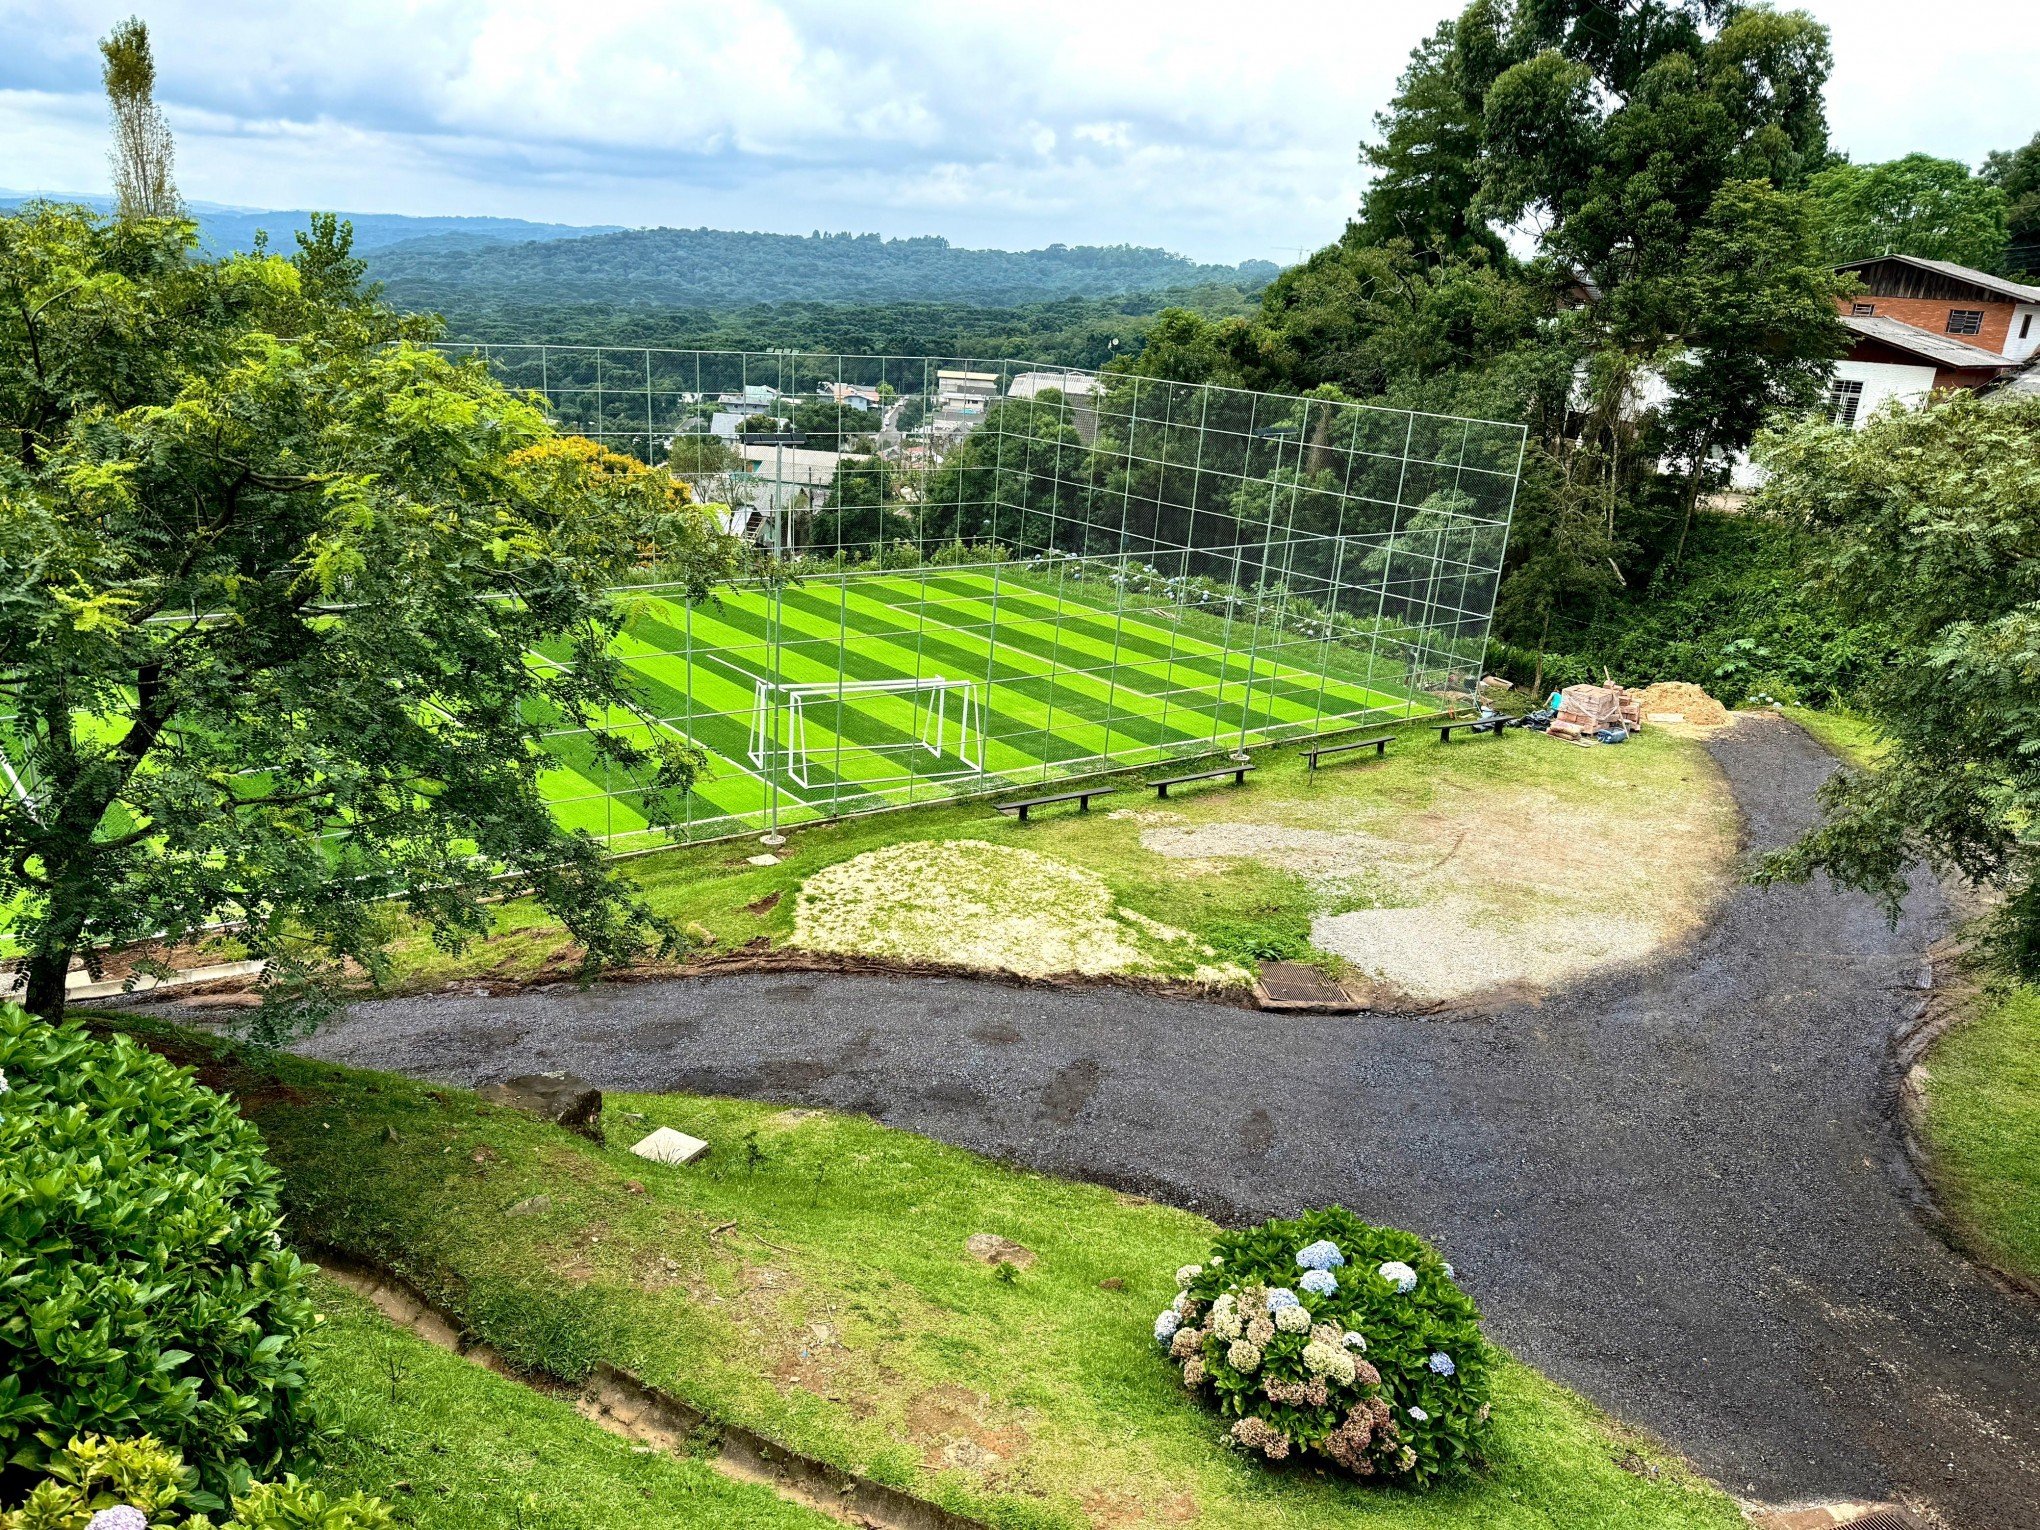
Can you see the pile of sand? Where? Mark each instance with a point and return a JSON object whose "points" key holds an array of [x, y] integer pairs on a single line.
{"points": [[1670, 699]]}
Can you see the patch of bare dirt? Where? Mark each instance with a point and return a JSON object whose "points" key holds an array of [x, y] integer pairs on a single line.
{"points": [[957, 1429], [1479, 892], [1117, 1509]]}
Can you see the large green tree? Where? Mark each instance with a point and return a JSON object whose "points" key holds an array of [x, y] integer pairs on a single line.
{"points": [[1918, 205], [1922, 524], [2016, 173], [286, 595]]}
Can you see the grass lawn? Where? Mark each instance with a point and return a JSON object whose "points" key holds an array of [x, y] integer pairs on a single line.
{"points": [[452, 1446], [1852, 737], [1983, 1128], [809, 1279]]}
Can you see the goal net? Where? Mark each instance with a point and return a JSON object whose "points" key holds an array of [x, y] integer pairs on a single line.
{"points": [[866, 732]]}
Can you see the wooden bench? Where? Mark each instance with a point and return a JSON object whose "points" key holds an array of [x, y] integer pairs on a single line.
{"points": [[1237, 772], [1378, 745], [1081, 798], [1492, 725]]}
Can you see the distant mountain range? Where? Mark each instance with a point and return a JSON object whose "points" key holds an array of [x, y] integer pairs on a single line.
{"points": [[222, 228], [461, 266], [701, 268]]}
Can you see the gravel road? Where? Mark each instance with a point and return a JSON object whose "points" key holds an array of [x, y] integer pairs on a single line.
{"points": [[1676, 1189]]}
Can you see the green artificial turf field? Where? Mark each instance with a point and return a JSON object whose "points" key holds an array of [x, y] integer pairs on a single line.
{"points": [[1060, 679]]}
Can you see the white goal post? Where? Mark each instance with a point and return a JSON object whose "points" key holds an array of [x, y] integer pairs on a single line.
{"points": [[930, 718]]}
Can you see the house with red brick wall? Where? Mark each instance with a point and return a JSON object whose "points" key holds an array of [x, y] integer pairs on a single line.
{"points": [[1922, 326]]}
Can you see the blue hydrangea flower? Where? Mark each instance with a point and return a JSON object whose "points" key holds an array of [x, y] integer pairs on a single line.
{"points": [[1419, 1414], [1450, 1273], [1282, 1297], [1319, 1282], [1321, 1255], [1441, 1363], [121, 1516], [1167, 1324]]}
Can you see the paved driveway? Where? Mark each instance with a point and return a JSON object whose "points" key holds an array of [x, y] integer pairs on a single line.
{"points": [[1673, 1189]]}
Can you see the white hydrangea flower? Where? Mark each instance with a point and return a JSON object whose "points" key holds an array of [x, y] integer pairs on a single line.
{"points": [[1187, 1273], [1356, 1341], [1399, 1275], [1243, 1357], [1419, 1414], [1450, 1273], [1228, 1324], [1181, 1304], [1330, 1362], [1319, 1282], [1292, 1319]]}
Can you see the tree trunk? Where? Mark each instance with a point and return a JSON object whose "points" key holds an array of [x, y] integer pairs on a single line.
{"points": [[1692, 496], [46, 973]]}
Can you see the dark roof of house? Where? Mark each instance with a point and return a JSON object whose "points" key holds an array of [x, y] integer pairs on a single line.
{"points": [[2016, 292], [1941, 350]]}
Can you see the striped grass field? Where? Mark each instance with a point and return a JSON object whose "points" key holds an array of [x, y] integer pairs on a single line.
{"points": [[1064, 681]]}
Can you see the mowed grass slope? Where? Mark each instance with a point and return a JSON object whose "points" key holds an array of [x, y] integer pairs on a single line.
{"points": [[809, 1279], [452, 1446], [1064, 679]]}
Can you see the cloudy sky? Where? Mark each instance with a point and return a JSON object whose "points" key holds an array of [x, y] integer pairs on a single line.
{"points": [[1220, 130]]}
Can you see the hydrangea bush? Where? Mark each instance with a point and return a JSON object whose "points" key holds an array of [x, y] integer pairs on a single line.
{"points": [[1325, 1336], [99, 1484], [144, 1285]]}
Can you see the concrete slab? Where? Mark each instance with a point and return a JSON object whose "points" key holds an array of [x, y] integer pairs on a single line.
{"points": [[668, 1146]]}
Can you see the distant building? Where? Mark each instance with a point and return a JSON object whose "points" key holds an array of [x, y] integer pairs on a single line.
{"points": [[1069, 384], [856, 395], [1942, 298], [1925, 326], [959, 389], [1891, 359]]}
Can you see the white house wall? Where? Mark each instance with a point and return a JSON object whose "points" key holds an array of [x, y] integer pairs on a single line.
{"points": [[1883, 381], [2023, 338]]}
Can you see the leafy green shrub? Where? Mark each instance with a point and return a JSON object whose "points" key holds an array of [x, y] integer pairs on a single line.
{"points": [[144, 1286], [1324, 1335], [99, 1484]]}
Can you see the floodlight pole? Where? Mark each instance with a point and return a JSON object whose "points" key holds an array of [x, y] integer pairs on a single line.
{"points": [[1278, 434], [778, 440]]}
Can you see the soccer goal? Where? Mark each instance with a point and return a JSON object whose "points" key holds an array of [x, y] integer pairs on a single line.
{"points": [[860, 729]]}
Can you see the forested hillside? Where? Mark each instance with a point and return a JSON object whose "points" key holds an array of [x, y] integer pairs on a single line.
{"points": [[702, 268], [1086, 332]]}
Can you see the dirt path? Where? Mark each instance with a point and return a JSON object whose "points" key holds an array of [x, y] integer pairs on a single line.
{"points": [[1675, 1190]]}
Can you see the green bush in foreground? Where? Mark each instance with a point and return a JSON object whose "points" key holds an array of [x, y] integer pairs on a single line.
{"points": [[1324, 1335], [144, 1286], [99, 1484]]}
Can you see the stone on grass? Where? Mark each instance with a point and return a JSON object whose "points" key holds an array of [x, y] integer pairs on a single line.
{"points": [[560, 1098], [1112, 1283], [668, 1146], [531, 1205], [993, 1249]]}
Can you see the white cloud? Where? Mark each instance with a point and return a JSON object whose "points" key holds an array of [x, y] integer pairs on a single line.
{"points": [[1215, 129]]}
